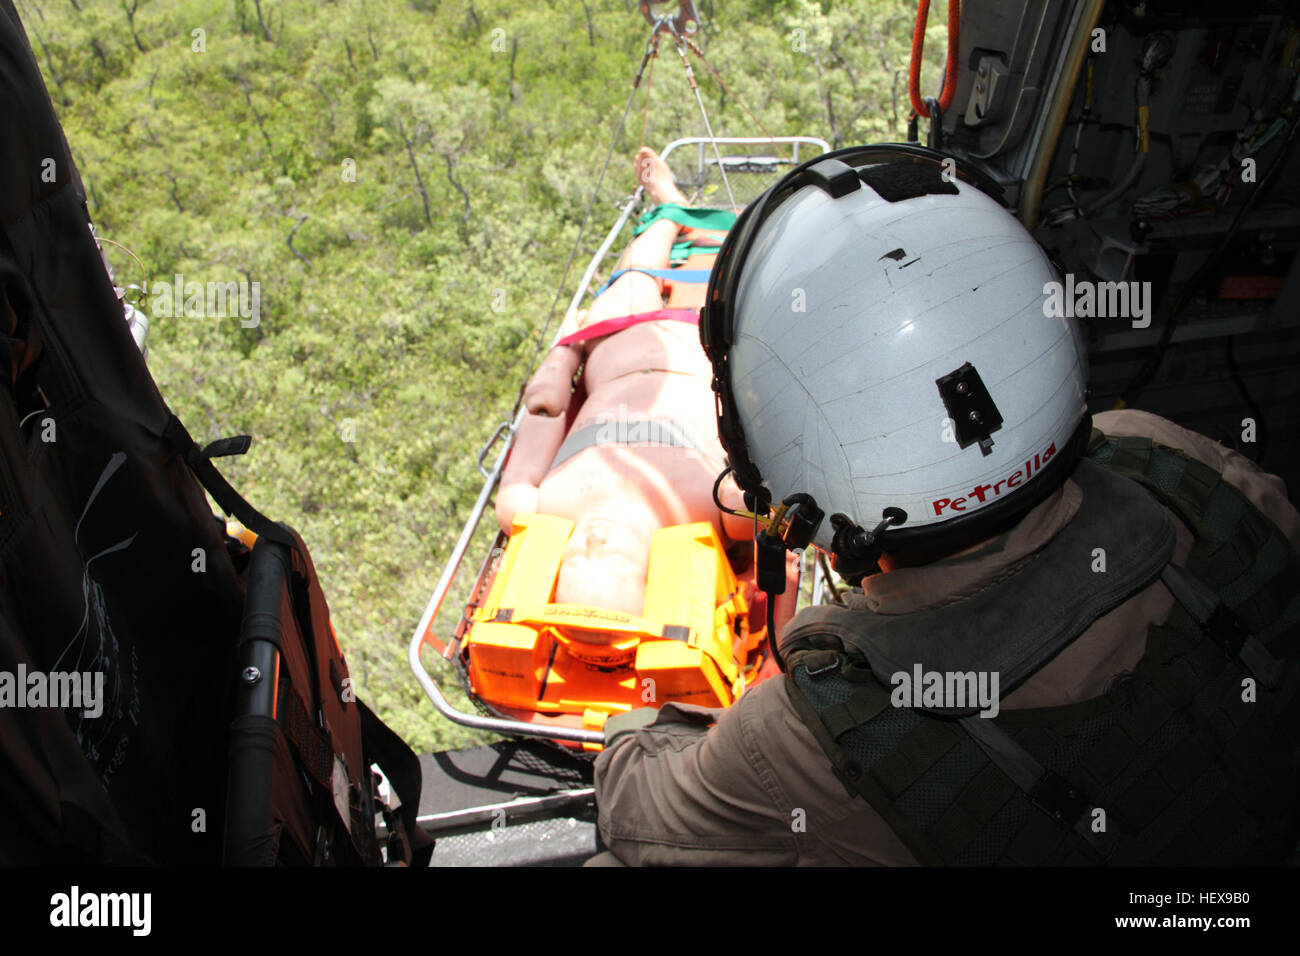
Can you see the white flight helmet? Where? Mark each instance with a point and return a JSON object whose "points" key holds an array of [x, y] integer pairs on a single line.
{"points": [[882, 353]]}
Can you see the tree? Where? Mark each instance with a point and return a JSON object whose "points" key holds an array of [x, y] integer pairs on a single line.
{"points": [[425, 120]]}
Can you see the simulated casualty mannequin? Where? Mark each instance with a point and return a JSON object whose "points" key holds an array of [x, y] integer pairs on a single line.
{"points": [[642, 452]]}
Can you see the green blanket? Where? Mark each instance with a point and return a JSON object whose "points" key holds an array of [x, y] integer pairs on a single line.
{"points": [[720, 219]]}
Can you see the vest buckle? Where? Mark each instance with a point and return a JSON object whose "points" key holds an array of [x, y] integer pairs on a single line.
{"points": [[1226, 629], [834, 661], [1058, 798]]}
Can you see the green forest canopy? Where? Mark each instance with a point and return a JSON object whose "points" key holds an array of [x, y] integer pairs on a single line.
{"points": [[404, 181]]}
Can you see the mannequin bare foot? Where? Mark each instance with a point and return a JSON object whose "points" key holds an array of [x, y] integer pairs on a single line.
{"points": [[653, 173]]}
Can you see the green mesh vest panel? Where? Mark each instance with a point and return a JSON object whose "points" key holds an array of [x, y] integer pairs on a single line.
{"points": [[1182, 769]]}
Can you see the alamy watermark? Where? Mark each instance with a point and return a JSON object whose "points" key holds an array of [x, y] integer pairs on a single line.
{"points": [[64, 690], [76, 908], [212, 300], [946, 689], [1084, 299]]}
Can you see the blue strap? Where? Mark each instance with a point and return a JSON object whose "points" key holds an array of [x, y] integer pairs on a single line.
{"points": [[696, 276]]}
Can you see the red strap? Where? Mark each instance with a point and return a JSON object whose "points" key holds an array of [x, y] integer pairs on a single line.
{"points": [[610, 326]]}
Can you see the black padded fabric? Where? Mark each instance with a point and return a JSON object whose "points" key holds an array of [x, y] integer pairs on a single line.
{"points": [[894, 182], [100, 521]]}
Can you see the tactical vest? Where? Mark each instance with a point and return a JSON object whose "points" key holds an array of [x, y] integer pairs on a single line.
{"points": [[1190, 759]]}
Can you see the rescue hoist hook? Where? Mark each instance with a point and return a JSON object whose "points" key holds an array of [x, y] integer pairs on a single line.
{"points": [[684, 22]]}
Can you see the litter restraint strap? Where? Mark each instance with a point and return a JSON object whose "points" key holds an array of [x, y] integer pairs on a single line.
{"points": [[610, 326], [685, 276]]}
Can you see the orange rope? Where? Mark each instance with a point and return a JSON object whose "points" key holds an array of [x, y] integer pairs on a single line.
{"points": [[950, 70]]}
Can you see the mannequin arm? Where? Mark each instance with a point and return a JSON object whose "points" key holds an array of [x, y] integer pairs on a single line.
{"points": [[538, 439]]}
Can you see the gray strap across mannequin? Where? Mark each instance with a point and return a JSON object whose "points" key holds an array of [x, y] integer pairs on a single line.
{"points": [[633, 431]]}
